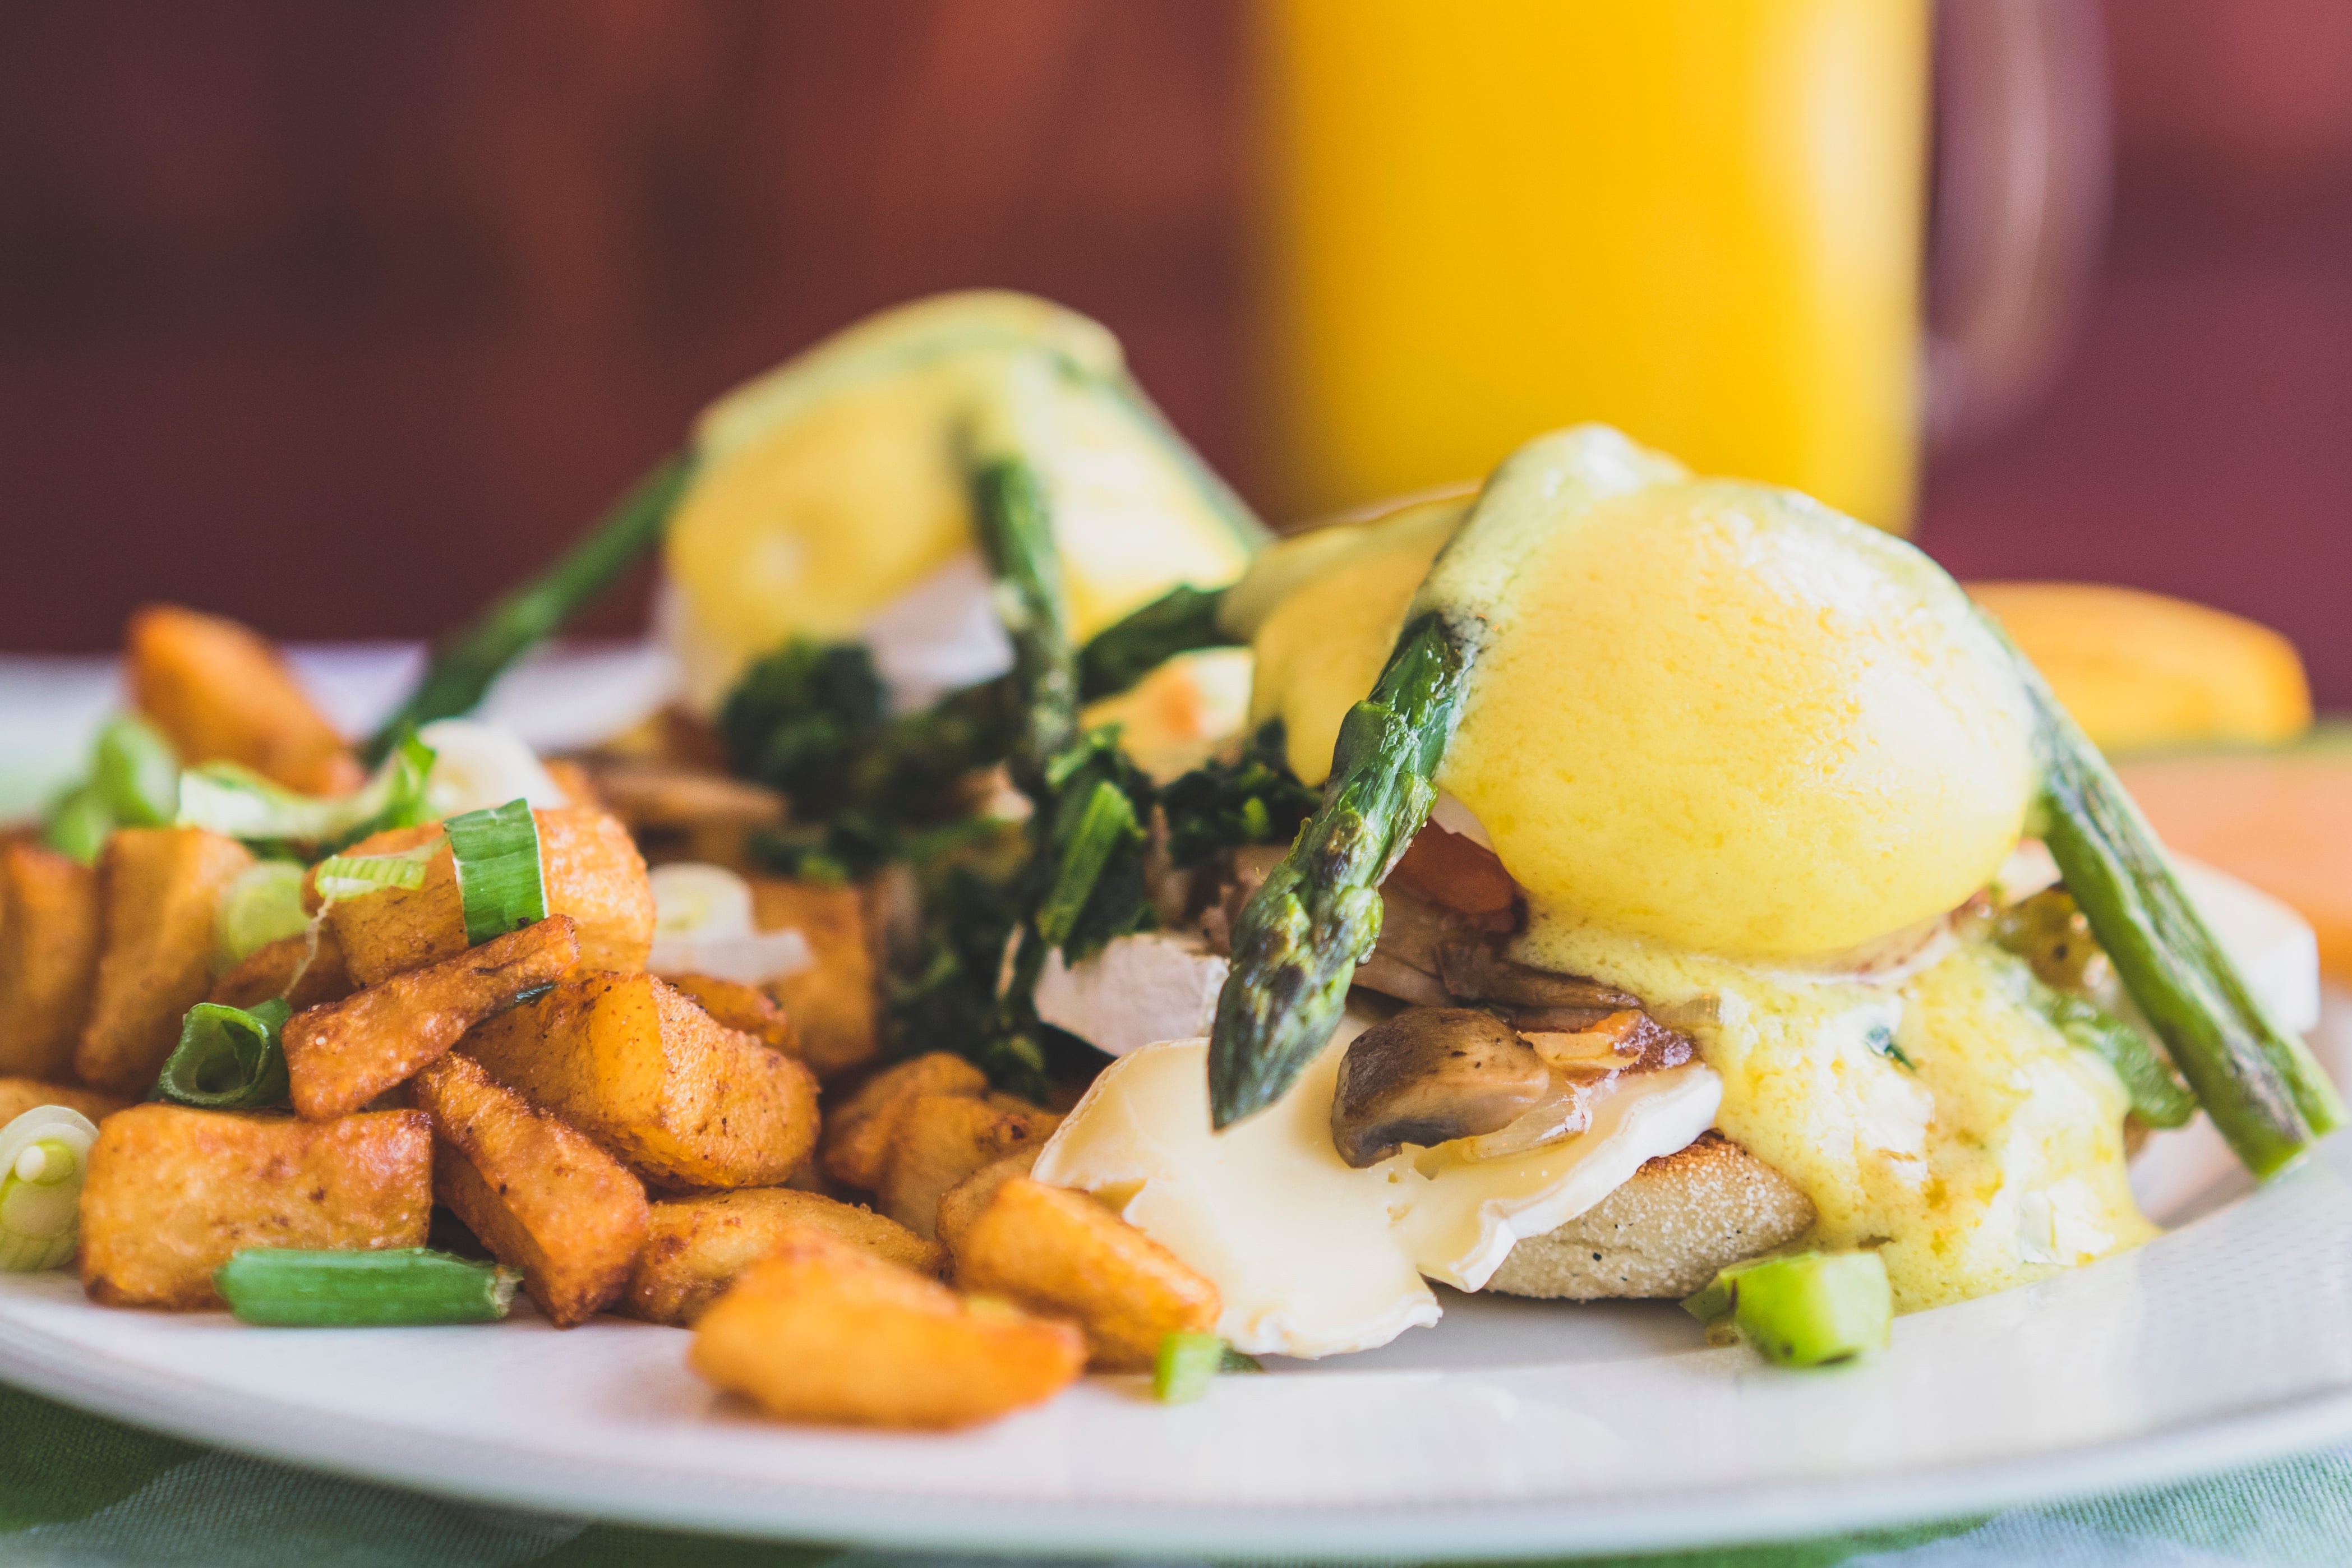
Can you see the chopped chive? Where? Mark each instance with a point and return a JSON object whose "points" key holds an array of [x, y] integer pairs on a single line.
{"points": [[78, 823], [398, 1288], [1188, 1364], [136, 772], [263, 905], [228, 1058], [498, 874], [354, 876]]}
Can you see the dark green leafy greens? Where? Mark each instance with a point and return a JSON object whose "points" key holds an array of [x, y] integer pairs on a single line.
{"points": [[1253, 799]]}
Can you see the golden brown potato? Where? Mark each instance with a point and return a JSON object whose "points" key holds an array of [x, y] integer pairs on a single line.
{"points": [[594, 874], [943, 1139], [541, 1195], [288, 967], [698, 1246], [162, 887], [50, 923], [221, 693], [19, 1095], [340, 1055], [835, 1004], [684, 1102], [824, 1331], [858, 1130], [744, 1008], [961, 1204], [173, 1192], [1065, 1254]]}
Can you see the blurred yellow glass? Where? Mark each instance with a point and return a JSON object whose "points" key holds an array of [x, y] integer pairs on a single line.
{"points": [[1699, 220]]}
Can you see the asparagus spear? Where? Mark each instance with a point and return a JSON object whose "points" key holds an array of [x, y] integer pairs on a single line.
{"points": [[464, 662], [2260, 1085], [1299, 939], [1180, 620]]}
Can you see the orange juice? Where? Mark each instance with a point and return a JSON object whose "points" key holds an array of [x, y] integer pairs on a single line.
{"points": [[1698, 220]]}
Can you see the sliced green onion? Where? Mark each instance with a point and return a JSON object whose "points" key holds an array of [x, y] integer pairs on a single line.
{"points": [[353, 875], [262, 906], [1188, 1364], [79, 823], [228, 1058], [1106, 821], [137, 773], [403, 1287], [238, 803], [498, 873], [1807, 1308], [44, 1155]]}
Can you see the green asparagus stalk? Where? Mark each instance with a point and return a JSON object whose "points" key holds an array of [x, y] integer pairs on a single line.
{"points": [[2260, 1085], [465, 663], [1181, 620], [1299, 939], [1017, 538]]}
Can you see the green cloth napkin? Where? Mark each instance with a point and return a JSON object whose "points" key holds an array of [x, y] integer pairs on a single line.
{"points": [[79, 1492]]}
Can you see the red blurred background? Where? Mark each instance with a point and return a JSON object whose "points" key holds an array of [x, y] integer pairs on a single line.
{"points": [[335, 318]]}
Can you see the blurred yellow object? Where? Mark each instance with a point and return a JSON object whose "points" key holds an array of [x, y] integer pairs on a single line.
{"points": [[1697, 220], [2140, 671], [2273, 818]]}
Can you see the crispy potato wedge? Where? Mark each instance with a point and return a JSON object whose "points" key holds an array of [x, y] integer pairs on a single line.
{"points": [[19, 1095], [221, 693], [858, 1130], [943, 1139], [49, 927], [744, 1008], [340, 1055], [824, 1331], [539, 1194], [698, 1246], [961, 1204], [594, 874], [161, 889], [835, 1002], [687, 1103], [171, 1192], [1065, 1254], [279, 970]]}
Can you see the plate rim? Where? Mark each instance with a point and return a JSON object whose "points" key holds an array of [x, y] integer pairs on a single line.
{"points": [[469, 1471]]}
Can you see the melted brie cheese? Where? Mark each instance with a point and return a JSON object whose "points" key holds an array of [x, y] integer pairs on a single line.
{"points": [[1310, 1257]]}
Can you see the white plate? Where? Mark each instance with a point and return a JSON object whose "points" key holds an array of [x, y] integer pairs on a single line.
{"points": [[1511, 1428]]}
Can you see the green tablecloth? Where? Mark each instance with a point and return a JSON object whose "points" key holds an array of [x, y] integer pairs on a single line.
{"points": [[79, 1492]]}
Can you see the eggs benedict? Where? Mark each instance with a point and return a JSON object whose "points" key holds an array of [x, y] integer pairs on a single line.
{"points": [[1670, 898]]}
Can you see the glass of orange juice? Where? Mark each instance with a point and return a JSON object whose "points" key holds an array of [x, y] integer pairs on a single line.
{"points": [[1698, 220]]}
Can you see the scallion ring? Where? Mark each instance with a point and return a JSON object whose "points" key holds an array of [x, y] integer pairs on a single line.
{"points": [[262, 906], [499, 878], [44, 1154], [395, 1288], [228, 1058]]}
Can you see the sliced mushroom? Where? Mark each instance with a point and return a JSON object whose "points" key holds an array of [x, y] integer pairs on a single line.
{"points": [[1431, 1074], [1477, 971]]}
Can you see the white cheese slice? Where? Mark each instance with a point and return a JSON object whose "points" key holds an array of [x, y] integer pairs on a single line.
{"points": [[1138, 991], [1313, 1258]]}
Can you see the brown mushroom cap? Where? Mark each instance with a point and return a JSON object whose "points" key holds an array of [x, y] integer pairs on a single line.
{"points": [[1428, 1075]]}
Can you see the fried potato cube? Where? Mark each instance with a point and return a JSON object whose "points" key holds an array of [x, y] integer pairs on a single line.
{"points": [[963, 1203], [162, 888], [221, 693], [594, 874], [290, 967], [539, 1194], [943, 1139], [835, 1002], [19, 1095], [340, 1055], [50, 926], [744, 1008], [858, 1132], [1065, 1254], [824, 1331], [171, 1192], [698, 1245], [684, 1102]]}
